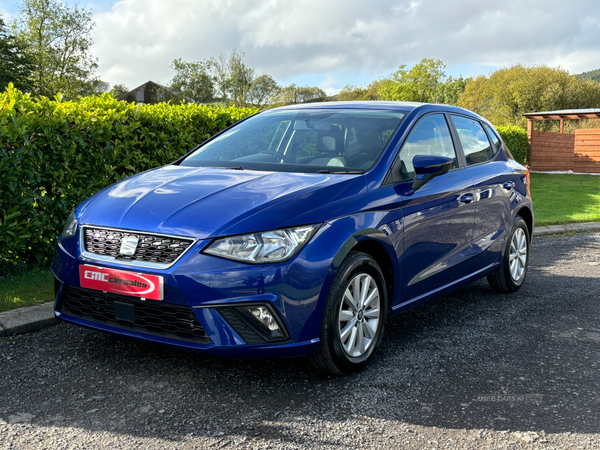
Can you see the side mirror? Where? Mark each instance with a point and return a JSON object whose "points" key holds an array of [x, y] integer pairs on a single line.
{"points": [[428, 167]]}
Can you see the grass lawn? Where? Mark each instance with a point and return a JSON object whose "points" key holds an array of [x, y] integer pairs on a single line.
{"points": [[26, 289], [565, 198]]}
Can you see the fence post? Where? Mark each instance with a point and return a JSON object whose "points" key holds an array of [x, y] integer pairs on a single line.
{"points": [[529, 138]]}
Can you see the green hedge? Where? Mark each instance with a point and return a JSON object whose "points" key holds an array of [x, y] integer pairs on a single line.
{"points": [[516, 141], [55, 154]]}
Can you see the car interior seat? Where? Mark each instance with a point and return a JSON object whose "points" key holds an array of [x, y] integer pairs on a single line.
{"points": [[330, 143]]}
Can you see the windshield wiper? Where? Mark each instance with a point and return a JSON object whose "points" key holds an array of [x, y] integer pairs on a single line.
{"points": [[341, 171], [236, 168]]}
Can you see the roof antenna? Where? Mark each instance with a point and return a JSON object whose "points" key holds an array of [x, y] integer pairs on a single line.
{"points": [[422, 94]]}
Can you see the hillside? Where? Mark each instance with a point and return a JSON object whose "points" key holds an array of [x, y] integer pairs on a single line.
{"points": [[591, 75]]}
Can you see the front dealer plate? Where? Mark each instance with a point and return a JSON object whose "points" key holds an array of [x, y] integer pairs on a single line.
{"points": [[121, 282]]}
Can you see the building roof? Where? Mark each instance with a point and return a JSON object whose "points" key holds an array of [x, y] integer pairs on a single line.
{"points": [[150, 83], [147, 82], [572, 114]]}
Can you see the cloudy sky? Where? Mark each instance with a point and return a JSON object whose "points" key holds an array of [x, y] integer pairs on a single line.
{"points": [[332, 43]]}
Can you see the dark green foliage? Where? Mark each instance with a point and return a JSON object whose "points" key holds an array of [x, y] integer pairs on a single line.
{"points": [[15, 63], [516, 140], [54, 155], [593, 75]]}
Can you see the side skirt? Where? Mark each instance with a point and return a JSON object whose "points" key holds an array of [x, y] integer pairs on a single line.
{"points": [[442, 290]]}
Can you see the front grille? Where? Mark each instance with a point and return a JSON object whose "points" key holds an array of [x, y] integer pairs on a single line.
{"points": [[152, 317], [151, 248]]}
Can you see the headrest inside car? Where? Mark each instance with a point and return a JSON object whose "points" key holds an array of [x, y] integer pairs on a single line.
{"points": [[329, 143]]}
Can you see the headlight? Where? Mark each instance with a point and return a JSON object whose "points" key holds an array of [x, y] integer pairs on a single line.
{"points": [[70, 226], [266, 247]]}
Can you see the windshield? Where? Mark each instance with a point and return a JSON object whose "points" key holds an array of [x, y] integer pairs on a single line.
{"points": [[325, 141]]}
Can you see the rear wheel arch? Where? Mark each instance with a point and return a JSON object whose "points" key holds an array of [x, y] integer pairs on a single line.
{"points": [[511, 273], [527, 216]]}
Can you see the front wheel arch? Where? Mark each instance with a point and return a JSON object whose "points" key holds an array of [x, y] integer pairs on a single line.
{"points": [[331, 356], [375, 244]]}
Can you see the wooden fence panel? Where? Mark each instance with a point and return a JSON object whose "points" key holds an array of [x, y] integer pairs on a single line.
{"points": [[551, 151], [587, 151]]}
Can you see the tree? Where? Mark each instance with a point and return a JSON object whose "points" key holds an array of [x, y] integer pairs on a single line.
{"points": [[192, 81], [118, 90], [15, 63], [95, 87], [227, 78], [419, 83], [353, 93], [58, 38], [449, 91], [263, 91], [233, 77], [292, 95], [508, 93], [593, 75]]}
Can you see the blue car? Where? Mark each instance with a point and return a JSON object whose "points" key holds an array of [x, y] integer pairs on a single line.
{"points": [[299, 231]]}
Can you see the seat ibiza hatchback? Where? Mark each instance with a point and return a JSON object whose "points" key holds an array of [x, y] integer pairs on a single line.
{"points": [[299, 231]]}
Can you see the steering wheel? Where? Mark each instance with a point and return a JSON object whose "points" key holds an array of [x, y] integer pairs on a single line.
{"points": [[360, 157], [279, 155]]}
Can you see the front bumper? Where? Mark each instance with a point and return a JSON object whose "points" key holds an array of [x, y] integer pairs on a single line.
{"points": [[201, 291]]}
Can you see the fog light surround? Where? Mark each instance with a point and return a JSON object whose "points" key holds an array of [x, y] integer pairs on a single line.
{"points": [[263, 319]]}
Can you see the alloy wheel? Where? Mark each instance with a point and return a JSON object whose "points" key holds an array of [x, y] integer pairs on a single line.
{"points": [[359, 315], [518, 255]]}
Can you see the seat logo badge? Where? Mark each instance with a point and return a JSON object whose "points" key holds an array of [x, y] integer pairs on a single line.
{"points": [[128, 246]]}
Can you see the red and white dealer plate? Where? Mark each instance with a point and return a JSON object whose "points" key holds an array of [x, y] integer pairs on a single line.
{"points": [[120, 282]]}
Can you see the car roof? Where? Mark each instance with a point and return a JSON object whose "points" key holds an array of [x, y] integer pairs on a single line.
{"points": [[397, 106], [377, 105]]}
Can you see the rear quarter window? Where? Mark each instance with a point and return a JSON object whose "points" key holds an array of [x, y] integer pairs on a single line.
{"points": [[474, 140], [493, 137]]}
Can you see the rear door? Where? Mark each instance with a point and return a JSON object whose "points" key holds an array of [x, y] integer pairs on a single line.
{"points": [[438, 217]]}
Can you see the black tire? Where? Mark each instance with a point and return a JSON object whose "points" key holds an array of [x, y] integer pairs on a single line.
{"points": [[331, 355], [502, 280]]}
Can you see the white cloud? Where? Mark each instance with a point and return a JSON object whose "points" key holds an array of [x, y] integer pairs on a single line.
{"points": [[328, 85], [307, 39], [6, 16]]}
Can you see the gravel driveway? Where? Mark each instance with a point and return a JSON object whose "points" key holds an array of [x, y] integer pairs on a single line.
{"points": [[474, 369]]}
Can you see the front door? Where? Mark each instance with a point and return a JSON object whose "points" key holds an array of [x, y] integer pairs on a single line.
{"points": [[438, 217]]}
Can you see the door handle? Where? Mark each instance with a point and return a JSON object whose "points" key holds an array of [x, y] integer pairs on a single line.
{"points": [[508, 185], [467, 198]]}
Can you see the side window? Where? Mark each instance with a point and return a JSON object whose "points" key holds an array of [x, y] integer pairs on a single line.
{"points": [[493, 137], [431, 136], [475, 142]]}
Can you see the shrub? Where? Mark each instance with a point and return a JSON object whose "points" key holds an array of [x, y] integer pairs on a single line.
{"points": [[516, 140], [55, 154]]}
